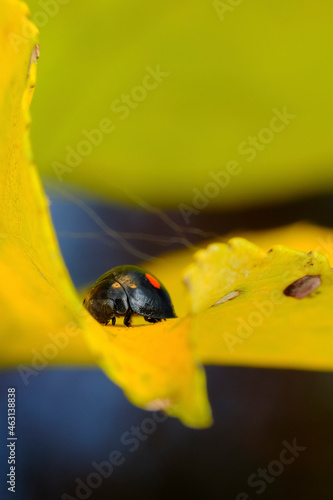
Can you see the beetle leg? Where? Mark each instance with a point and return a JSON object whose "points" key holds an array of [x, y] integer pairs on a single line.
{"points": [[127, 319], [113, 319], [152, 320]]}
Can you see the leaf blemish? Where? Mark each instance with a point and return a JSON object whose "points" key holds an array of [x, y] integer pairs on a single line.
{"points": [[303, 287], [34, 56], [230, 296]]}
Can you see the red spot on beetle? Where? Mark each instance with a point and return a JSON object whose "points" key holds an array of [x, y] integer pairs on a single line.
{"points": [[153, 280], [303, 287]]}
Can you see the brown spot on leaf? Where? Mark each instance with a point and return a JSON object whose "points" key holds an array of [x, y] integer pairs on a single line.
{"points": [[230, 296], [34, 56], [303, 287]]}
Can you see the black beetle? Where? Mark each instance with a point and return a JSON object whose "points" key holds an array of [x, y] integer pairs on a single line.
{"points": [[128, 290]]}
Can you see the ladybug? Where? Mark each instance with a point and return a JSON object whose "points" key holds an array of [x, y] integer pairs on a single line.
{"points": [[128, 290]]}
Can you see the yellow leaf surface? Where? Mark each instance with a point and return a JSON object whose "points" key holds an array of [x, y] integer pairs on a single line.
{"points": [[300, 236], [243, 303], [37, 297], [43, 321], [155, 366]]}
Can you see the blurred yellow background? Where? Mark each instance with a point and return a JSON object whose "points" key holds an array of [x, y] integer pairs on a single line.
{"points": [[142, 101]]}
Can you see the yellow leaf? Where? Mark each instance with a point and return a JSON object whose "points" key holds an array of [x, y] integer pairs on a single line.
{"points": [[37, 298], [300, 236], [258, 310], [43, 321], [155, 367]]}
